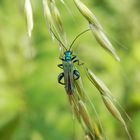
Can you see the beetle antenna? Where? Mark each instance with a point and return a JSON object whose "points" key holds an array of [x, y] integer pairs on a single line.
{"points": [[58, 39], [78, 37]]}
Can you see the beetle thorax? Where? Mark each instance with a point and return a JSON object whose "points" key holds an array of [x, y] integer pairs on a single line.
{"points": [[68, 55]]}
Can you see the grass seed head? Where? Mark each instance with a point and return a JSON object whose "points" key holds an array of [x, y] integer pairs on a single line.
{"points": [[81, 113], [87, 137], [103, 41], [57, 18], [54, 23], [87, 13], [105, 95], [80, 89], [29, 17], [75, 107], [97, 131], [96, 28], [86, 118], [47, 14], [61, 50], [107, 98], [115, 112], [97, 83]]}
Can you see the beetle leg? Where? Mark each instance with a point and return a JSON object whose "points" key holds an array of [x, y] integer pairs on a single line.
{"points": [[73, 57], [76, 75], [61, 58], [60, 66], [78, 62], [60, 76]]}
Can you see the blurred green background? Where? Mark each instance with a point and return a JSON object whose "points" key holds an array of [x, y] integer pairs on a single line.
{"points": [[33, 106]]}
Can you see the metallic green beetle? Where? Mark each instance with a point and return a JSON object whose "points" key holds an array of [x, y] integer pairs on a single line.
{"points": [[70, 74]]}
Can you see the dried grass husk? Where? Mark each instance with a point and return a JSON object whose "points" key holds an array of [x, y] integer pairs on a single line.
{"points": [[80, 89], [107, 99], [84, 10], [97, 83], [96, 28], [29, 17], [103, 41], [58, 21]]}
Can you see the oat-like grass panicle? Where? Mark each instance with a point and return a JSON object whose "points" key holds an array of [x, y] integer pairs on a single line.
{"points": [[96, 28], [108, 101], [29, 17], [78, 98]]}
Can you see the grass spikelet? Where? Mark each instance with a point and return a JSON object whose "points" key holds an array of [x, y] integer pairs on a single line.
{"points": [[102, 88], [105, 93], [97, 131], [96, 28], [103, 41], [74, 105], [84, 98], [80, 110], [29, 17], [87, 13], [85, 117], [112, 109], [92, 129], [97, 83], [62, 1], [80, 89], [61, 50], [49, 19], [115, 112], [47, 14], [87, 137], [81, 113], [58, 21], [54, 23], [56, 16]]}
